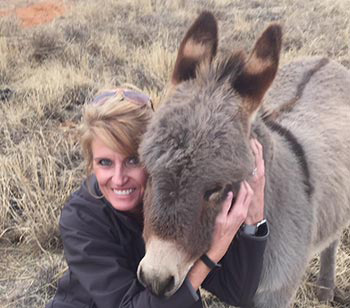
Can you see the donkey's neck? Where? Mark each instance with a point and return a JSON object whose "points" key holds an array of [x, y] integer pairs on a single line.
{"points": [[271, 134], [261, 132]]}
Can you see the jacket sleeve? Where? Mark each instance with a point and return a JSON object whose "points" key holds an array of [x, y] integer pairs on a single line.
{"points": [[102, 268], [237, 280]]}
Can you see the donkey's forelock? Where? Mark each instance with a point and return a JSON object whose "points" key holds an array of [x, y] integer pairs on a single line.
{"points": [[198, 114], [200, 122]]}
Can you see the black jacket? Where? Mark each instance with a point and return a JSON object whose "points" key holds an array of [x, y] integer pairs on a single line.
{"points": [[103, 248]]}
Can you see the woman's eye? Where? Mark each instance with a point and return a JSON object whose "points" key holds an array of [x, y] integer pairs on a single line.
{"points": [[133, 161], [105, 162]]}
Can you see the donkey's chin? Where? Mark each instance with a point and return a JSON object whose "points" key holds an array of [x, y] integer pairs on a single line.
{"points": [[163, 268]]}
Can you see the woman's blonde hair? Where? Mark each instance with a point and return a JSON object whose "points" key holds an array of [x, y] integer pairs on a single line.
{"points": [[116, 120]]}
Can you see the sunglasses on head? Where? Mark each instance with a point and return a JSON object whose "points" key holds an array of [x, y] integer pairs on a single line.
{"points": [[124, 94]]}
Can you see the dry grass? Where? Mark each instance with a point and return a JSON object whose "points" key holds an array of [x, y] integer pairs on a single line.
{"points": [[46, 74]]}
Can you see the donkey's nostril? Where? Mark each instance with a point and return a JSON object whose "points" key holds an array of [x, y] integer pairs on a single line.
{"points": [[171, 284], [165, 286], [158, 286]]}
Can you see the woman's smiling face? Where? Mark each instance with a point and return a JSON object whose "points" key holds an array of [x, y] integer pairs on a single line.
{"points": [[121, 179]]}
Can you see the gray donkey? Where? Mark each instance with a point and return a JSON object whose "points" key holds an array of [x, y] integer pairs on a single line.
{"points": [[197, 146]]}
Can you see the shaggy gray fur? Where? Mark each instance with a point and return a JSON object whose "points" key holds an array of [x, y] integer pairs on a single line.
{"points": [[300, 227], [198, 141]]}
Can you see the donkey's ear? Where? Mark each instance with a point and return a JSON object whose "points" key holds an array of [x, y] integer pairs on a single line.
{"points": [[260, 69], [199, 44]]}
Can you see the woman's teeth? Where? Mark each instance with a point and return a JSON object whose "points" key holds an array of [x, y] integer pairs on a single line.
{"points": [[123, 192]]}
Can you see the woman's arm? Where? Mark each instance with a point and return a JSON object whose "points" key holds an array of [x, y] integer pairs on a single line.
{"points": [[226, 226], [237, 281]]}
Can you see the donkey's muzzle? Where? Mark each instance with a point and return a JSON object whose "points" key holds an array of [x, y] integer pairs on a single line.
{"points": [[159, 286], [164, 267]]}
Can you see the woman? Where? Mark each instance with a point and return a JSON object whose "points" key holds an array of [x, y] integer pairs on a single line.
{"points": [[101, 225]]}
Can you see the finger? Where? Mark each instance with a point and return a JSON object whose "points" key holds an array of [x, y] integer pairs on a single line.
{"points": [[240, 209], [241, 194], [255, 150], [237, 207], [258, 146], [259, 158], [258, 150], [253, 146], [227, 205], [247, 202], [249, 195]]}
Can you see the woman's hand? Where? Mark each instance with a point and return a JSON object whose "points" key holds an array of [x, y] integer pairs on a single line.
{"points": [[257, 183], [229, 221], [227, 224]]}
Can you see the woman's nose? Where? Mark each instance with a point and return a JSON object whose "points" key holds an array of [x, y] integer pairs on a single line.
{"points": [[120, 176]]}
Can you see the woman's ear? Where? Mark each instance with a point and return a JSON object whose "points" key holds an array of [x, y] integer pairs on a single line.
{"points": [[199, 45]]}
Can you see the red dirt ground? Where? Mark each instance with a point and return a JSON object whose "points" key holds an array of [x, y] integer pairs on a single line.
{"points": [[36, 14]]}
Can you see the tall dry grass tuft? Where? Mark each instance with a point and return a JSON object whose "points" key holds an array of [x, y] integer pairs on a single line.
{"points": [[30, 278], [35, 179], [47, 72], [46, 45]]}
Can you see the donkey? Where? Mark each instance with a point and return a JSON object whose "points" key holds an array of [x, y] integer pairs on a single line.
{"points": [[197, 145]]}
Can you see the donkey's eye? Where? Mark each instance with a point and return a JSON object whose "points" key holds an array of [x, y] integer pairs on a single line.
{"points": [[210, 192]]}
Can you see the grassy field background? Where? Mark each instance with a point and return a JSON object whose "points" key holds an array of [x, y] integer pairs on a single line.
{"points": [[48, 70]]}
